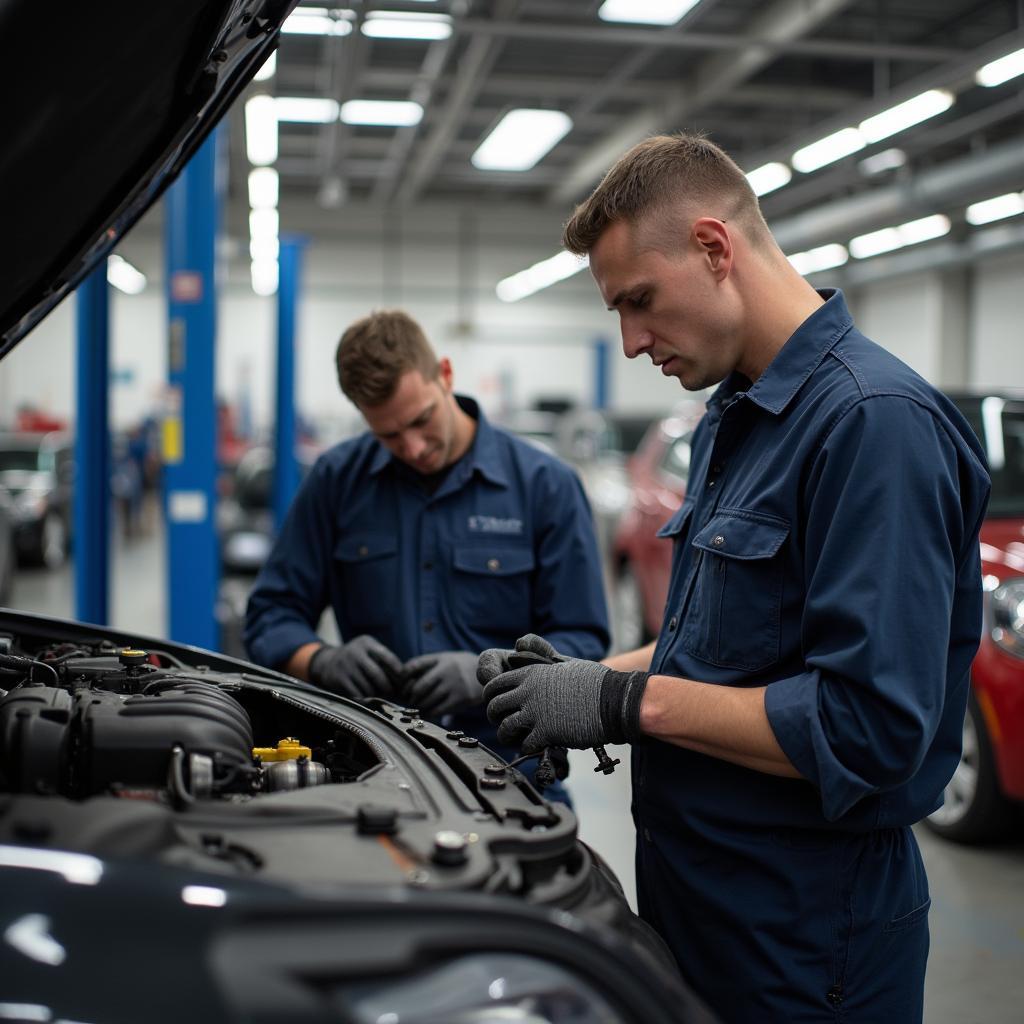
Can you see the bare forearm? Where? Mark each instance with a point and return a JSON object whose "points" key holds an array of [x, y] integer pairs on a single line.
{"points": [[298, 664], [632, 661], [726, 722]]}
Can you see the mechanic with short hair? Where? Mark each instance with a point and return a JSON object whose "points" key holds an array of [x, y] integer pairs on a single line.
{"points": [[432, 536], [803, 704]]}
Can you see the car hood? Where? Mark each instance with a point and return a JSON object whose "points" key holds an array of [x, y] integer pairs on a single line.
{"points": [[112, 101], [1002, 546]]}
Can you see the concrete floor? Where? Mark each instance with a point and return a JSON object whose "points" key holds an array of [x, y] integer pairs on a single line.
{"points": [[976, 969]]}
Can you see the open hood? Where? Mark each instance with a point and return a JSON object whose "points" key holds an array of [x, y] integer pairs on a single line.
{"points": [[104, 104]]}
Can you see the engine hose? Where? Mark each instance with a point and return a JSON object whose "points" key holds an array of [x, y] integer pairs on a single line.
{"points": [[14, 662]]}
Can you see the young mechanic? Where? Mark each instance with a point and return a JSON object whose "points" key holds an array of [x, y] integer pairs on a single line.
{"points": [[431, 536], [803, 704]]}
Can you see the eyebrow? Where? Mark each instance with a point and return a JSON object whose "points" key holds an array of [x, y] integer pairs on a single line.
{"points": [[424, 412]]}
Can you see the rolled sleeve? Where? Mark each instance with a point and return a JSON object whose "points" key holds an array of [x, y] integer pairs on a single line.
{"points": [[884, 535]]}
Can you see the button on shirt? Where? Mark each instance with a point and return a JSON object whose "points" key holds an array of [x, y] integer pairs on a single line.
{"points": [[828, 547], [502, 547]]}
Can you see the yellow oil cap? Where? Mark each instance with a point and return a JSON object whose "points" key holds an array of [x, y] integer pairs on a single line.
{"points": [[287, 749]]}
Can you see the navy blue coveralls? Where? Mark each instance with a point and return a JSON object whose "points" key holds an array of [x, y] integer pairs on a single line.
{"points": [[503, 547], [827, 547]]}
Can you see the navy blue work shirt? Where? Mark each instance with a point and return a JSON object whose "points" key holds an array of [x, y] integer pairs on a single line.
{"points": [[827, 547], [503, 547]]}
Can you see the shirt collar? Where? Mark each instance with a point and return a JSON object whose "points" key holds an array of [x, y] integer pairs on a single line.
{"points": [[483, 456], [794, 362]]}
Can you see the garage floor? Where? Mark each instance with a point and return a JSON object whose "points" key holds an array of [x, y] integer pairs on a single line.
{"points": [[976, 970]]}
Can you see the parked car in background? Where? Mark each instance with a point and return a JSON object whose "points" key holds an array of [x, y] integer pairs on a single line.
{"points": [[981, 799], [989, 781], [38, 470], [8, 557]]}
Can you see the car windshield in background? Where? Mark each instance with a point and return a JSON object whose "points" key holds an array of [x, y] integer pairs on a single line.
{"points": [[19, 460], [999, 422], [627, 433]]}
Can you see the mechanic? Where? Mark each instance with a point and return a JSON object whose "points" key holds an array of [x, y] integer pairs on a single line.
{"points": [[432, 536], [802, 706]]}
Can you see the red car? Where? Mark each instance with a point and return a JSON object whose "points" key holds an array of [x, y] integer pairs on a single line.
{"points": [[989, 781]]}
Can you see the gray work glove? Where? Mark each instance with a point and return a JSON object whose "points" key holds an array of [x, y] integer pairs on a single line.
{"points": [[362, 668], [567, 702], [439, 683]]}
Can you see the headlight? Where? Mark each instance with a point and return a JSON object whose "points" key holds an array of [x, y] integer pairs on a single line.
{"points": [[1006, 606], [484, 988], [30, 505]]}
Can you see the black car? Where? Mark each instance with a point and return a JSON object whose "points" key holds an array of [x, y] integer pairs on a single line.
{"points": [[187, 836], [38, 471]]}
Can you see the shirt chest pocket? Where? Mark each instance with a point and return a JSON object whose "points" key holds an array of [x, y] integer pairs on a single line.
{"points": [[493, 589], [367, 564], [733, 618]]}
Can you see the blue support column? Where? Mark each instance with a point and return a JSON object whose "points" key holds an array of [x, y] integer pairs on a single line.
{"points": [[286, 470], [92, 450], [190, 428], [602, 388]]}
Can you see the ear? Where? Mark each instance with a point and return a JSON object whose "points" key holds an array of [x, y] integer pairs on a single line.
{"points": [[444, 373], [712, 238]]}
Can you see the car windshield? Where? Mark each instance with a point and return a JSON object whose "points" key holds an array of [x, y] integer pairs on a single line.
{"points": [[23, 459], [999, 423], [626, 433]]}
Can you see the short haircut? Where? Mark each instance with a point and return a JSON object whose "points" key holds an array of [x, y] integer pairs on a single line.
{"points": [[659, 175], [376, 351]]}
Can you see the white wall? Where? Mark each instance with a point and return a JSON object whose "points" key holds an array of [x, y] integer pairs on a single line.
{"points": [[507, 354]]}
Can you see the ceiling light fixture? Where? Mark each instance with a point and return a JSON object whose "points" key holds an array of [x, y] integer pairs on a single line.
{"points": [[768, 177], [824, 257], [520, 139], [264, 188], [123, 276], [646, 12], [264, 249], [268, 69], [306, 109], [888, 239], [827, 150], [391, 113], [997, 208], [406, 25], [879, 163], [906, 115], [264, 275], [261, 130], [540, 275], [263, 224], [1002, 70], [317, 21]]}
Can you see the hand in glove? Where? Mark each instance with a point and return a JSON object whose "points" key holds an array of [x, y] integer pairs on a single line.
{"points": [[442, 682], [569, 703], [362, 668]]}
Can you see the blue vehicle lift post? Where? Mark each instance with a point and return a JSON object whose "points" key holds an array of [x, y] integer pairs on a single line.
{"points": [[286, 470], [190, 422], [92, 449], [602, 377]]}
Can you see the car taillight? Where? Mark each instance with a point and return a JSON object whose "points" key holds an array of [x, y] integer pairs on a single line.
{"points": [[1006, 616]]}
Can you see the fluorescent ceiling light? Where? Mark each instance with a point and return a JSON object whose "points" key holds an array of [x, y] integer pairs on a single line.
{"points": [[306, 109], [263, 224], [878, 163], [406, 25], [264, 249], [1001, 70], [539, 276], [520, 139], [904, 115], [261, 130], [888, 239], [824, 257], [123, 276], [267, 71], [397, 113], [988, 210], [263, 188], [827, 150], [646, 12], [317, 21], [264, 276], [768, 177]]}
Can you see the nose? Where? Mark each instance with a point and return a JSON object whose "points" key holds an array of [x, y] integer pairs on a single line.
{"points": [[413, 444], [635, 340]]}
